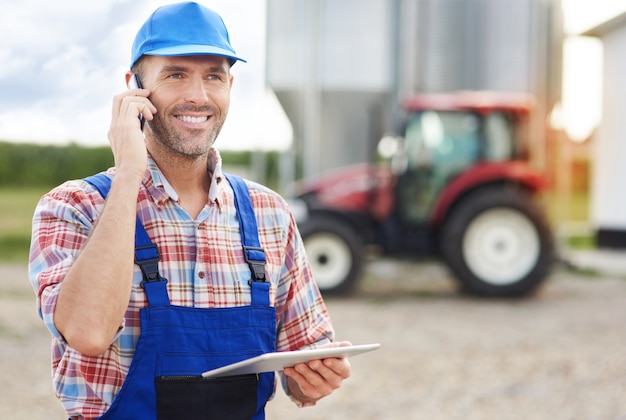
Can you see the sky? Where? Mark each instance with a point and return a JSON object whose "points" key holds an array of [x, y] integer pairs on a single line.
{"points": [[64, 60]]}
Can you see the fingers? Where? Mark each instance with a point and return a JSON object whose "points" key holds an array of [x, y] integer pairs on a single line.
{"points": [[318, 378], [127, 108], [130, 104], [125, 136]]}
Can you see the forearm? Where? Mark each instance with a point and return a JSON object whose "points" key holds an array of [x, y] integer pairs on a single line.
{"points": [[95, 293]]}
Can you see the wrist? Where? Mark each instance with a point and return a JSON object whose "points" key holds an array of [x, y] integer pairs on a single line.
{"points": [[129, 176]]}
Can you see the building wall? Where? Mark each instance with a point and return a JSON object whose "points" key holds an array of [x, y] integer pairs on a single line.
{"points": [[608, 199], [329, 64], [478, 44]]}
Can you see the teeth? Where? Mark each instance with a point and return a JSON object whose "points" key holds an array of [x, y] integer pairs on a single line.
{"points": [[189, 119]]}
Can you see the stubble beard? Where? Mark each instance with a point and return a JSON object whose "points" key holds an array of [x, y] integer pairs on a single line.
{"points": [[184, 144]]}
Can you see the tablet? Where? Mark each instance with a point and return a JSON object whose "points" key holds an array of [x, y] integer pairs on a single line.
{"points": [[270, 362]]}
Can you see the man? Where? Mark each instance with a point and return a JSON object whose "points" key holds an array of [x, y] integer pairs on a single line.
{"points": [[129, 341]]}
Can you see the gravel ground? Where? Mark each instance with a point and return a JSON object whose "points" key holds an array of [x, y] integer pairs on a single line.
{"points": [[560, 354]]}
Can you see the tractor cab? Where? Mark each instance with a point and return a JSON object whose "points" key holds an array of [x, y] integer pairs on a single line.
{"points": [[446, 135], [455, 183]]}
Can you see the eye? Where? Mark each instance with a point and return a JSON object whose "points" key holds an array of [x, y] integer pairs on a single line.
{"points": [[175, 76]]}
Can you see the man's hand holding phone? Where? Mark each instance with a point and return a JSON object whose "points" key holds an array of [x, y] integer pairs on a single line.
{"points": [[135, 83], [125, 133]]}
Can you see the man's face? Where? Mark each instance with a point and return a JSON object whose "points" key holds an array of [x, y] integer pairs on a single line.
{"points": [[192, 96]]}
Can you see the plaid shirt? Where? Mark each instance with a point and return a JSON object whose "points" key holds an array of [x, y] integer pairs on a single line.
{"points": [[201, 258]]}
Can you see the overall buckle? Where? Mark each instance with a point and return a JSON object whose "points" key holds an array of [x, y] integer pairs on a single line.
{"points": [[255, 257], [147, 258]]}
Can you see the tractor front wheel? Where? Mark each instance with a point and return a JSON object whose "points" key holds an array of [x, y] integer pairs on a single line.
{"points": [[334, 252]]}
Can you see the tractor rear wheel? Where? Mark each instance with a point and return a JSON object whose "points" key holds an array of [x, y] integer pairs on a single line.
{"points": [[498, 243], [334, 252]]}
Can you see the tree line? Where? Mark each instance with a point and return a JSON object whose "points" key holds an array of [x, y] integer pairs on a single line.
{"points": [[34, 165]]}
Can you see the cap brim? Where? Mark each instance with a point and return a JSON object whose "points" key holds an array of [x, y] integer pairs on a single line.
{"points": [[195, 50]]}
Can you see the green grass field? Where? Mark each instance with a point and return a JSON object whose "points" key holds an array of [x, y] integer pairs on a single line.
{"points": [[17, 207], [16, 211]]}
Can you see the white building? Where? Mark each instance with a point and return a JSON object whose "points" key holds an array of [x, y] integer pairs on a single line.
{"points": [[608, 176]]}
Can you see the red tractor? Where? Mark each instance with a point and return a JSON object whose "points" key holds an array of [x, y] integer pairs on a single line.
{"points": [[456, 184]]}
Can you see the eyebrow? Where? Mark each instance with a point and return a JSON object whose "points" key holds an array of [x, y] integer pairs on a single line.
{"points": [[174, 68], [169, 68]]}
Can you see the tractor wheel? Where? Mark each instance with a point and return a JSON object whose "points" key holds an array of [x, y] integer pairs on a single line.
{"points": [[498, 243], [334, 252]]}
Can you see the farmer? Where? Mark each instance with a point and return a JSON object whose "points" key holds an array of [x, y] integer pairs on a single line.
{"points": [[180, 269]]}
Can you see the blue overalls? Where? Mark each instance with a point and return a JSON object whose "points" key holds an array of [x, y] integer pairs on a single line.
{"points": [[178, 343]]}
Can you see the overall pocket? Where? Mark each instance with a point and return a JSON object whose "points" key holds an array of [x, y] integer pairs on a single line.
{"points": [[195, 397]]}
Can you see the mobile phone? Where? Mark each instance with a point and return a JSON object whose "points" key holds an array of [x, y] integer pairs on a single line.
{"points": [[135, 83]]}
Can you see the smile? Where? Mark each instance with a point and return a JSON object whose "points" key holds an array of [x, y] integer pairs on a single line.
{"points": [[193, 120]]}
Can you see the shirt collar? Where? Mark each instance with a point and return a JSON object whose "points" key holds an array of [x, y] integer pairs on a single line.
{"points": [[161, 189]]}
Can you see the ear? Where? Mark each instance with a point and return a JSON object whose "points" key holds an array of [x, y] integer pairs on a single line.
{"points": [[127, 76]]}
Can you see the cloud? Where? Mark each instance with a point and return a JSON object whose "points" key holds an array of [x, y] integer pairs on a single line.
{"points": [[55, 69], [63, 61]]}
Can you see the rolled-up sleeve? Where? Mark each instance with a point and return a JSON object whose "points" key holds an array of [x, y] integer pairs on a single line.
{"points": [[61, 224]]}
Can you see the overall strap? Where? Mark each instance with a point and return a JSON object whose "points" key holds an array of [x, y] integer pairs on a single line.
{"points": [[146, 253], [252, 251]]}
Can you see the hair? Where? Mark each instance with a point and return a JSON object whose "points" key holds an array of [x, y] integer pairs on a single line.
{"points": [[138, 68]]}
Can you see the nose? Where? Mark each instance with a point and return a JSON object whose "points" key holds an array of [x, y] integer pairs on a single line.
{"points": [[196, 91]]}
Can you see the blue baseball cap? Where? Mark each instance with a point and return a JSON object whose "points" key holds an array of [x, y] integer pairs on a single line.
{"points": [[183, 29]]}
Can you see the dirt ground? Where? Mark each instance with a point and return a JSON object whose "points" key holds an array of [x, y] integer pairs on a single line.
{"points": [[560, 354]]}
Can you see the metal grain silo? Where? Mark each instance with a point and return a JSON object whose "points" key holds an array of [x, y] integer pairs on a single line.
{"points": [[340, 67]]}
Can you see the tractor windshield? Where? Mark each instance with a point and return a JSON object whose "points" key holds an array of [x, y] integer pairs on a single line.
{"points": [[438, 145], [454, 140], [442, 139]]}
